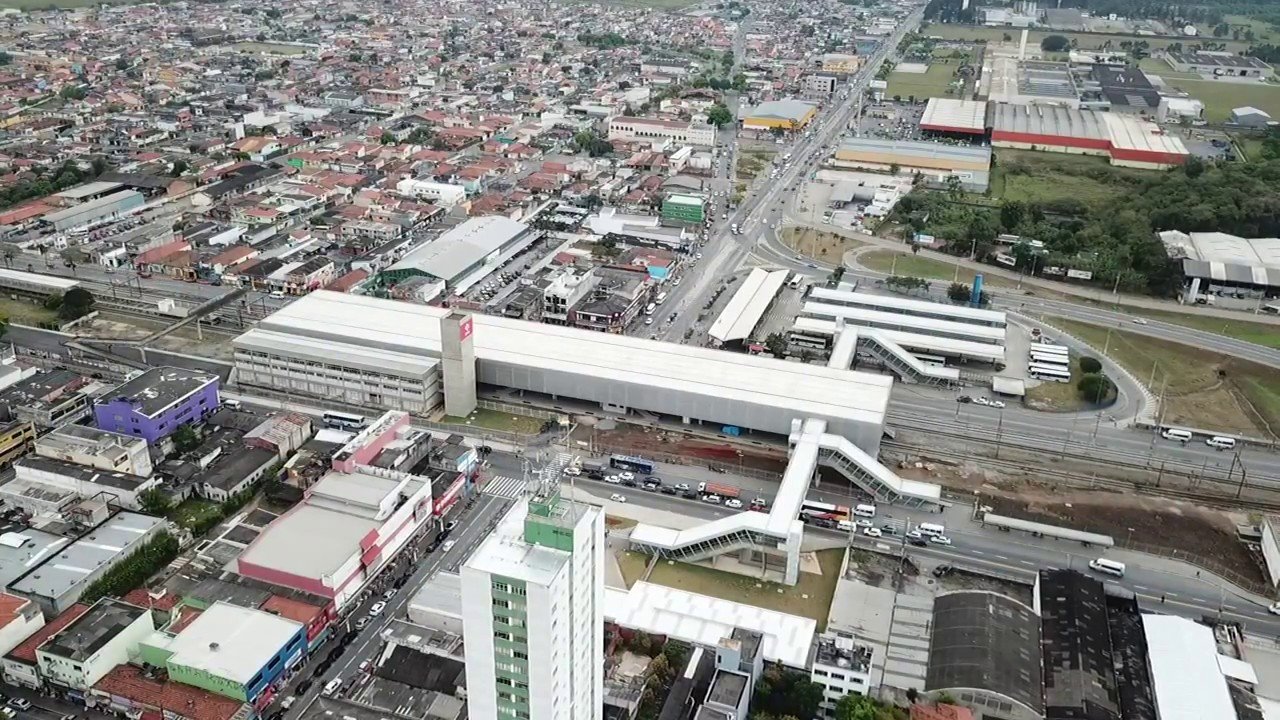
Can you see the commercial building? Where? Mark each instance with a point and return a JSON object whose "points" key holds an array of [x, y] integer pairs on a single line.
{"points": [[842, 667], [55, 575], [48, 399], [955, 117], [19, 619], [936, 162], [465, 254], [16, 437], [1224, 266], [84, 651], [351, 336], [443, 194], [783, 114], [532, 606], [841, 63], [354, 519], [233, 651], [1249, 116], [61, 483], [685, 209], [985, 652], [134, 692], [818, 85], [1017, 82], [1077, 660], [680, 132], [156, 403], [1218, 64], [1126, 140], [96, 448], [1189, 675], [94, 211], [748, 305]]}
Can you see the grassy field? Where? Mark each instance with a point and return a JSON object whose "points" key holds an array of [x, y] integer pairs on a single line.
{"points": [[1220, 98], [904, 264], [632, 565], [753, 163], [192, 511], [1264, 334], [1042, 177], [932, 83], [24, 312], [818, 244], [1085, 41], [495, 420], [1156, 66], [1062, 397], [270, 48], [811, 597], [1202, 389], [1250, 146], [1262, 31]]}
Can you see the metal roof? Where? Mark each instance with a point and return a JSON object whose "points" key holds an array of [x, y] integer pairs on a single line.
{"points": [[907, 323], [1188, 679], [329, 320], [919, 150], [986, 352], [783, 109], [91, 206], [955, 115], [744, 310], [894, 303], [456, 251], [988, 641]]}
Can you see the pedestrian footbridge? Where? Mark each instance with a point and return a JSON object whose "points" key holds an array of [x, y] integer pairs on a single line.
{"points": [[780, 531]]}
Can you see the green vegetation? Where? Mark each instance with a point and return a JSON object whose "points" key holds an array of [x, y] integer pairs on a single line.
{"points": [[862, 707], [901, 263], [818, 244], [1220, 98], [785, 693], [497, 420], [269, 48], [632, 565], [1061, 397], [186, 438], [134, 570], [1201, 388], [46, 181], [195, 513], [811, 597], [27, 313], [1082, 40], [753, 163], [1051, 179], [1260, 333], [662, 671], [935, 82], [719, 115]]}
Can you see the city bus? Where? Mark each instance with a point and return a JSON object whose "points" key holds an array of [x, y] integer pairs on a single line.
{"points": [[1056, 373], [1049, 359], [806, 340], [344, 421], [1047, 348], [634, 464], [823, 511]]}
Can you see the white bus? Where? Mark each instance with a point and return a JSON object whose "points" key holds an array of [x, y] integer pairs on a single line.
{"points": [[794, 282], [1047, 348], [804, 340], [1049, 359], [344, 421], [1056, 373], [662, 297], [931, 529]]}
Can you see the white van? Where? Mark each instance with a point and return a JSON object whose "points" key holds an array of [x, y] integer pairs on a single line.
{"points": [[1221, 442], [1182, 436], [1108, 567], [277, 294], [229, 403], [845, 525], [931, 529], [864, 510]]}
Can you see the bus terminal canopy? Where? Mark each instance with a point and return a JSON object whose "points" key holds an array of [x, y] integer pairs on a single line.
{"points": [[1048, 530]]}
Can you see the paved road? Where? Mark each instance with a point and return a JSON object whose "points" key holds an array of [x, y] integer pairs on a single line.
{"points": [[1162, 584]]}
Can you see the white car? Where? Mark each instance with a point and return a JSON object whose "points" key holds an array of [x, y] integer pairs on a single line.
{"points": [[1140, 321], [998, 404], [676, 283], [713, 499], [377, 609], [981, 401], [872, 532], [734, 503], [648, 321], [1274, 608], [863, 522], [940, 539], [626, 475], [618, 498], [613, 479], [573, 470], [448, 545]]}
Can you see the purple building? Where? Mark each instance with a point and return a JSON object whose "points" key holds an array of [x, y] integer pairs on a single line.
{"points": [[157, 402]]}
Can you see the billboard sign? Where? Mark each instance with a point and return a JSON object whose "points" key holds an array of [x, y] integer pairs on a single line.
{"points": [[464, 329], [1080, 274]]}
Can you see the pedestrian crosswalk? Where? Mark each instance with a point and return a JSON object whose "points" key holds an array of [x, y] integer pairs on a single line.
{"points": [[502, 486]]}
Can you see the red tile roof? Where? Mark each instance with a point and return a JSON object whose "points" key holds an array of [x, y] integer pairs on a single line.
{"points": [[10, 607], [186, 616], [291, 609], [27, 650], [142, 597], [183, 700]]}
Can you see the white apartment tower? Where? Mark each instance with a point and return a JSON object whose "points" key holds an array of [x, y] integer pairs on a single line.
{"points": [[532, 613]]}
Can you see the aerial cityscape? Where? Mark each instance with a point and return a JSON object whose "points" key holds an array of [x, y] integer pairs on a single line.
{"points": [[639, 360]]}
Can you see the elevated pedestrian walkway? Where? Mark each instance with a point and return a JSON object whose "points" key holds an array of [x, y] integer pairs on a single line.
{"points": [[908, 367]]}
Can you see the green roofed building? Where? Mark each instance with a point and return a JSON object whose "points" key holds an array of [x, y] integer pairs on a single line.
{"points": [[684, 209]]}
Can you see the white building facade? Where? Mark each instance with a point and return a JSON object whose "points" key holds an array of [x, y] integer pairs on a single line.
{"points": [[532, 610], [631, 129]]}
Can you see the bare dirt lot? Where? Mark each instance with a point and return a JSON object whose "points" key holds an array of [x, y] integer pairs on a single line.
{"points": [[659, 443], [819, 244]]}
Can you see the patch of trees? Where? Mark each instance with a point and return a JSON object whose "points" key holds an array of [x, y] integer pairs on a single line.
{"points": [[71, 305], [782, 693], [1055, 43], [131, 573], [66, 175], [602, 40]]}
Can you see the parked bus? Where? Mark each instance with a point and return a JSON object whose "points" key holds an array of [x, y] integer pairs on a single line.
{"points": [[1049, 359], [344, 421], [794, 282], [634, 464], [1057, 373], [805, 340], [1047, 348], [825, 511]]}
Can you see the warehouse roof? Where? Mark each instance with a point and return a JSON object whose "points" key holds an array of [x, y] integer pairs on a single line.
{"points": [[1049, 120], [1218, 59], [112, 541], [909, 306], [1223, 248], [456, 251], [952, 115], [330, 536], [91, 206], [985, 640], [920, 150], [1189, 682], [782, 109], [808, 390], [747, 305], [1131, 133]]}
